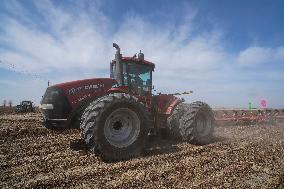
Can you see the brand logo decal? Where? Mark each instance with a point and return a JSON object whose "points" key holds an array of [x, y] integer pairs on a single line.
{"points": [[75, 90]]}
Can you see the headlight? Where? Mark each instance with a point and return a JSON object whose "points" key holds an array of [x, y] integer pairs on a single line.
{"points": [[46, 106]]}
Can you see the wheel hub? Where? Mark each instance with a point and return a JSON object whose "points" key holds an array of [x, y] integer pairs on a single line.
{"points": [[117, 125], [122, 127]]}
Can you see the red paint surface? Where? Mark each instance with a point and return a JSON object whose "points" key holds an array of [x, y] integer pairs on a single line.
{"points": [[166, 103], [124, 89], [80, 90], [136, 60]]}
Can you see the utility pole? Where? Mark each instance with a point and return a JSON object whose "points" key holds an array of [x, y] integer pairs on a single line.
{"points": [[10, 103], [4, 103]]}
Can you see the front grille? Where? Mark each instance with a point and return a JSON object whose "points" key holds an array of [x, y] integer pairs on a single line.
{"points": [[61, 106]]}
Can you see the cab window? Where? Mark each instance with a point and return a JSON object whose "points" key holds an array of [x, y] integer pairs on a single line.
{"points": [[139, 78]]}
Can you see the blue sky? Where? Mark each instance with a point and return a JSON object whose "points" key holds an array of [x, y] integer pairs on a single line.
{"points": [[228, 52]]}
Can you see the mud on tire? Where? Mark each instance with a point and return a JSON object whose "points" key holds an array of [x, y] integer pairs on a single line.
{"points": [[115, 126], [193, 123], [173, 122]]}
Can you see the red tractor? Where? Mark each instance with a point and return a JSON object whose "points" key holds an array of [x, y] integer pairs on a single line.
{"points": [[116, 115]]}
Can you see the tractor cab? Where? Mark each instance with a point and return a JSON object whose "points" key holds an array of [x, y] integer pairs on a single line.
{"points": [[133, 73], [25, 106], [116, 115]]}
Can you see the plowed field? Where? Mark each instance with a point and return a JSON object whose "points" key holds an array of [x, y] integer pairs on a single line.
{"points": [[239, 157]]}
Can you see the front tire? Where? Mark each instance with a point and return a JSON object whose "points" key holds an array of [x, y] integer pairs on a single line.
{"points": [[115, 126]]}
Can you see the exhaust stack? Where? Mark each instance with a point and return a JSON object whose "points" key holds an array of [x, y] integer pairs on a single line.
{"points": [[118, 65]]}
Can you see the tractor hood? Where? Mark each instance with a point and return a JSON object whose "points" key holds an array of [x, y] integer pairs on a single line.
{"points": [[82, 84], [78, 91]]}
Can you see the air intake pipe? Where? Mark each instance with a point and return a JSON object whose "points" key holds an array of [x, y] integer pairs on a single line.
{"points": [[118, 65]]}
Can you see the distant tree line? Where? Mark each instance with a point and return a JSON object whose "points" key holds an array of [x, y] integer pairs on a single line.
{"points": [[9, 103]]}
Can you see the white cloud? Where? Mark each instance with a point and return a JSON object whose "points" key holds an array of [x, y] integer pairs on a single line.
{"points": [[74, 43], [8, 83], [261, 55]]}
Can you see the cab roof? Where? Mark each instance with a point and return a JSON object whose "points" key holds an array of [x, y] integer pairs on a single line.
{"points": [[136, 60]]}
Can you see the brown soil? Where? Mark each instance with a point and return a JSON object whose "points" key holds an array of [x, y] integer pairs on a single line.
{"points": [[239, 157]]}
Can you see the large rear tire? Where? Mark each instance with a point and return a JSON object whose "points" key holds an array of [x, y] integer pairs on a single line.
{"points": [[115, 126], [195, 124], [198, 123], [173, 121]]}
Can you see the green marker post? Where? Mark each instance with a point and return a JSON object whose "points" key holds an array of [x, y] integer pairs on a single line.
{"points": [[250, 105]]}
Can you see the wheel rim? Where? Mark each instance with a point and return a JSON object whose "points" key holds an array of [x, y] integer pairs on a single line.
{"points": [[203, 125], [122, 127]]}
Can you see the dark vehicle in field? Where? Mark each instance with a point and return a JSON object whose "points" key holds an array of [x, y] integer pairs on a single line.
{"points": [[116, 115], [25, 106]]}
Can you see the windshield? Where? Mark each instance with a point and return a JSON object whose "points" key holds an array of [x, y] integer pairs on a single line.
{"points": [[138, 77]]}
